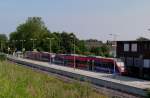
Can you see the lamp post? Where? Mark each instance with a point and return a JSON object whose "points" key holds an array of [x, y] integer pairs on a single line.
{"points": [[14, 42], [114, 40], [1, 46], [33, 42], [74, 51], [22, 43], [50, 46], [59, 46], [7, 46]]}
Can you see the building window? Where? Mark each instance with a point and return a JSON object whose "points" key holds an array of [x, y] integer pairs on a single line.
{"points": [[138, 62], [146, 63], [126, 47], [146, 46], [134, 48], [129, 61]]}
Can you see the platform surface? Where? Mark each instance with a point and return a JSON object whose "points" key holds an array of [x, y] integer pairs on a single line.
{"points": [[138, 83]]}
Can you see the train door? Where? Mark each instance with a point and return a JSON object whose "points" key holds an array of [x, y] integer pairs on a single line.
{"points": [[88, 64], [91, 65]]}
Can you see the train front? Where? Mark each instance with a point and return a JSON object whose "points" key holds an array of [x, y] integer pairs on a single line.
{"points": [[121, 66]]}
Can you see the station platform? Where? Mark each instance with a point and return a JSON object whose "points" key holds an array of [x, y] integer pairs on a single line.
{"points": [[121, 83]]}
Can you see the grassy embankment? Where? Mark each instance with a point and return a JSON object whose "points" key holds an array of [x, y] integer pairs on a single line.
{"points": [[21, 82]]}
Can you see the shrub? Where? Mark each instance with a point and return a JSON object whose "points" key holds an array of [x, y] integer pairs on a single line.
{"points": [[2, 57]]}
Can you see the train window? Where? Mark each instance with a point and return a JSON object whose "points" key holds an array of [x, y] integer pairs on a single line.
{"points": [[81, 62], [111, 65], [106, 65], [97, 64], [103, 65]]}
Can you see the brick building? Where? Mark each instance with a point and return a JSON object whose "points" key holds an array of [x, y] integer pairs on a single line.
{"points": [[93, 43], [136, 56]]}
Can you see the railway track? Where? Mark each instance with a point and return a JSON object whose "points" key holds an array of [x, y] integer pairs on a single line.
{"points": [[111, 93]]}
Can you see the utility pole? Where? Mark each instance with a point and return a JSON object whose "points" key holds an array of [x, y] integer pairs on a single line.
{"points": [[50, 47], [74, 55], [1, 46], [114, 55], [22, 43], [74, 50], [33, 42]]}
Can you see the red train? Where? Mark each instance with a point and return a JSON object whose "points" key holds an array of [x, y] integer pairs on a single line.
{"points": [[42, 56], [97, 64]]}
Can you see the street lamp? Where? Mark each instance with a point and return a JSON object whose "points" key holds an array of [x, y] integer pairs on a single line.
{"points": [[33, 41], [1, 46], [74, 51], [14, 41], [114, 54], [50, 46], [7, 46], [59, 43], [22, 43]]}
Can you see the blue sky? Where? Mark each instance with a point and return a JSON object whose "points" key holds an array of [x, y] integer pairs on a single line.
{"points": [[87, 18]]}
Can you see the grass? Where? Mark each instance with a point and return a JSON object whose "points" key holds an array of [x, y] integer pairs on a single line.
{"points": [[22, 82], [148, 94]]}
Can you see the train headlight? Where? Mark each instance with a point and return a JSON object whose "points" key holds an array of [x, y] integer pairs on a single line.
{"points": [[122, 68]]}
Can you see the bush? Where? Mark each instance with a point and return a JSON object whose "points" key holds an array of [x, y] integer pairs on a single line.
{"points": [[2, 57]]}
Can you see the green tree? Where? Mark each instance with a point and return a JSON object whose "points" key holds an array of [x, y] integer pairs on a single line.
{"points": [[105, 50], [33, 28], [101, 51], [82, 47], [142, 39], [67, 41], [3, 42], [96, 50]]}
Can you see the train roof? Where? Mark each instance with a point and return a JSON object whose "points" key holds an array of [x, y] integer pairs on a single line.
{"points": [[77, 55]]}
